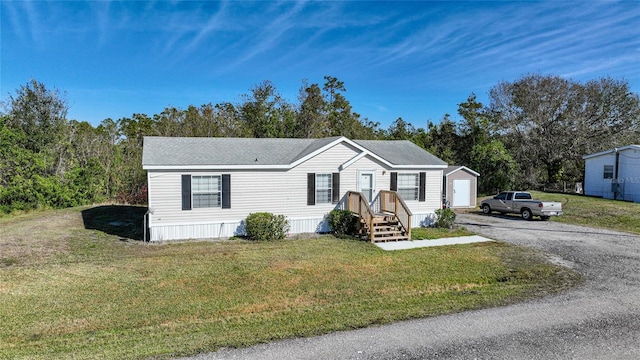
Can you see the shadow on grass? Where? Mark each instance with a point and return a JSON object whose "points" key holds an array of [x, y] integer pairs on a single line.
{"points": [[124, 221]]}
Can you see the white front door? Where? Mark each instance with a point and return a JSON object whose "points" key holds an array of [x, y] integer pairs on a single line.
{"points": [[461, 192], [367, 184]]}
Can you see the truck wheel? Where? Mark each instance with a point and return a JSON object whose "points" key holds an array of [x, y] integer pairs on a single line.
{"points": [[486, 209], [526, 214]]}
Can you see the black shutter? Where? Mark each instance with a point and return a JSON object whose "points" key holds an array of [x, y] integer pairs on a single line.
{"points": [[394, 181], [335, 188], [226, 191], [422, 190], [186, 192], [311, 189]]}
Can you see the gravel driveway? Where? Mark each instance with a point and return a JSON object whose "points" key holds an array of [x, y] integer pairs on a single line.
{"points": [[598, 320]]}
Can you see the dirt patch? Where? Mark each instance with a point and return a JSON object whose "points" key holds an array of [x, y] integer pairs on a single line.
{"points": [[27, 242], [41, 237]]}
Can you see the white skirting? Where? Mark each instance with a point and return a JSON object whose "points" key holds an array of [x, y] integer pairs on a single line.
{"points": [[195, 231], [236, 228], [422, 219], [228, 229]]}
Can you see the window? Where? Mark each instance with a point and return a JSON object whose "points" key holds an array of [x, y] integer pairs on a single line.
{"points": [[501, 196], [408, 186], [206, 191], [608, 171], [323, 188]]}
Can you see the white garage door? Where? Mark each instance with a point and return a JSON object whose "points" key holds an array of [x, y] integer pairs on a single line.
{"points": [[461, 192]]}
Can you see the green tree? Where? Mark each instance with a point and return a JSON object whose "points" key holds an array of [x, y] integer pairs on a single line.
{"points": [[547, 123], [201, 121], [109, 155], [265, 113], [442, 139], [229, 121], [338, 108], [608, 116], [473, 129], [39, 112], [312, 120], [401, 130], [497, 169], [170, 122], [40, 150], [131, 177], [340, 117]]}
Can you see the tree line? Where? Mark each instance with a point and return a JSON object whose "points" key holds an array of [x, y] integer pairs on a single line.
{"points": [[532, 132]]}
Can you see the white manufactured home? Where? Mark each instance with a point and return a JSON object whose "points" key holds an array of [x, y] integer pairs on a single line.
{"points": [[613, 174], [206, 187]]}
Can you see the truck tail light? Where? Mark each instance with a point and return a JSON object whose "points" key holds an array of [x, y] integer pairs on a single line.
{"points": [[540, 205]]}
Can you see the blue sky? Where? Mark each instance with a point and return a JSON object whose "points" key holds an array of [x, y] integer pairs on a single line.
{"points": [[416, 60]]}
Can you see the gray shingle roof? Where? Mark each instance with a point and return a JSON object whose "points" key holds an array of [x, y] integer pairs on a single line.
{"points": [[452, 168], [221, 151], [202, 151], [400, 152]]}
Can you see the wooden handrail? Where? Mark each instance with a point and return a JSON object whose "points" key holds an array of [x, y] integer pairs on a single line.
{"points": [[357, 203], [391, 201]]}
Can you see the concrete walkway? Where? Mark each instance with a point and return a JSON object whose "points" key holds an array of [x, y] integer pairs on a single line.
{"points": [[412, 244]]}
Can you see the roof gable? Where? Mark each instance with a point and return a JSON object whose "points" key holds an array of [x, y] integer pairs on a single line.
{"points": [[270, 153], [453, 168]]}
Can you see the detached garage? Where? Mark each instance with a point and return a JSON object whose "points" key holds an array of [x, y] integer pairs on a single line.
{"points": [[460, 187]]}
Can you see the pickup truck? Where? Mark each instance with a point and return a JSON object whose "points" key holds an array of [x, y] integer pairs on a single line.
{"points": [[520, 202]]}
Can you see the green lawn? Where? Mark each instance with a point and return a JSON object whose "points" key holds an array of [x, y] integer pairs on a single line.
{"points": [[590, 211], [437, 233], [73, 286]]}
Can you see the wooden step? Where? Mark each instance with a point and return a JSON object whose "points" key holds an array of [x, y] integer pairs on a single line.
{"points": [[390, 238], [382, 223], [384, 227], [387, 232]]}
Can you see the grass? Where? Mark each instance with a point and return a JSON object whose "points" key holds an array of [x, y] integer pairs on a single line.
{"points": [[596, 212], [437, 233], [74, 286]]}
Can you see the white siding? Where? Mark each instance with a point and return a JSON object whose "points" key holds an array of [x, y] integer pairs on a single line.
{"points": [[276, 191], [594, 182], [629, 174]]}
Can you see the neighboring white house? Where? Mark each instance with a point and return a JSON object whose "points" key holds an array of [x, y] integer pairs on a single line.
{"points": [[461, 187], [206, 187], [613, 174]]}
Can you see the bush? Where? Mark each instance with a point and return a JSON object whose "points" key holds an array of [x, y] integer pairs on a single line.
{"points": [[444, 218], [264, 226], [343, 222]]}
